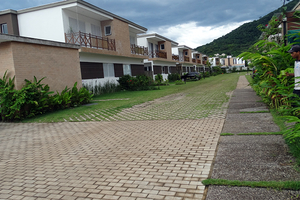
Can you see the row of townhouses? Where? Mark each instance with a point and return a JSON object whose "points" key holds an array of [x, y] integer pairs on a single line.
{"points": [[228, 62], [74, 41]]}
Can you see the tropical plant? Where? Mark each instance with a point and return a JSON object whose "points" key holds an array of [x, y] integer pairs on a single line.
{"points": [[35, 98], [159, 78]]}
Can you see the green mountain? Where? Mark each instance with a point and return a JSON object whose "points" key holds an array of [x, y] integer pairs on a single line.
{"points": [[240, 39]]}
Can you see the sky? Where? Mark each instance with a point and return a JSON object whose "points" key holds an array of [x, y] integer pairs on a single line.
{"points": [[188, 22]]}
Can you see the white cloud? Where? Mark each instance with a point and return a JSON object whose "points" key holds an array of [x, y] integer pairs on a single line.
{"points": [[191, 35]]}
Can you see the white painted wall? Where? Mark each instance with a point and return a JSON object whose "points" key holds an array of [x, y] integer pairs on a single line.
{"points": [[43, 24], [142, 41], [52, 23], [212, 61], [99, 81], [175, 51]]}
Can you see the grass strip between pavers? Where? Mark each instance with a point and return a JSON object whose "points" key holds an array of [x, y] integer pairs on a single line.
{"points": [[226, 134], [259, 133], [259, 111], [280, 185]]}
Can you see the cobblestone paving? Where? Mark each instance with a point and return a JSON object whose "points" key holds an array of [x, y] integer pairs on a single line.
{"points": [[113, 158]]}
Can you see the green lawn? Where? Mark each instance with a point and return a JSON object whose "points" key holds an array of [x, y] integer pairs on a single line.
{"points": [[210, 92]]}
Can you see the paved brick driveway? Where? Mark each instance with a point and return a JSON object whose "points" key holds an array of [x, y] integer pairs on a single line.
{"points": [[154, 159], [165, 159]]}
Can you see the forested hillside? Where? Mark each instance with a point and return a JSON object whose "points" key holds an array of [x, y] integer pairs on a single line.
{"points": [[240, 39]]}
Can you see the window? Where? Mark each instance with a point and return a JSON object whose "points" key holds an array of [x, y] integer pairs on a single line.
{"points": [[162, 46], [96, 30], [185, 53], [109, 70], [76, 26], [132, 40], [4, 29], [107, 30], [127, 70]]}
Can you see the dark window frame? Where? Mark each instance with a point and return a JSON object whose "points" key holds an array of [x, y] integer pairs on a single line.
{"points": [[3, 29]]}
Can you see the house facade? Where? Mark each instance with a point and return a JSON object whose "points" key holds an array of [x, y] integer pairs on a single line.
{"points": [[231, 62], [160, 58], [108, 43], [24, 58], [108, 46], [188, 59]]}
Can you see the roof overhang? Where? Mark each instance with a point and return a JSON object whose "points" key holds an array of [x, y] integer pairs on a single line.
{"points": [[184, 47], [97, 12], [158, 38], [88, 12], [4, 12], [136, 30]]}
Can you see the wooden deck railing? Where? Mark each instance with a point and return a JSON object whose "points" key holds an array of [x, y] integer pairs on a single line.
{"points": [[186, 59], [194, 60], [157, 54], [138, 50], [198, 61], [175, 57], [89, 40]]}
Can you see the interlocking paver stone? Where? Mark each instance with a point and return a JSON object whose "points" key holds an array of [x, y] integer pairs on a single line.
{"points": [[157, 150], [144, 159]]}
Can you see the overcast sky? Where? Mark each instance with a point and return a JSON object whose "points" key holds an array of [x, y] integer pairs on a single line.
{"points": [[189, 22]]}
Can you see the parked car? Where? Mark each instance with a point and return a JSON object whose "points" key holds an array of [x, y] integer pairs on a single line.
{"points": [[191, 75]]}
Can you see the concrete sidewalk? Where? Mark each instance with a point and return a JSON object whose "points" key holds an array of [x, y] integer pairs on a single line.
{"points": [[251, 158]]}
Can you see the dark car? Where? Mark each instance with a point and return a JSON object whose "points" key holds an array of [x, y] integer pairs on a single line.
{"points": [[191, 75]]}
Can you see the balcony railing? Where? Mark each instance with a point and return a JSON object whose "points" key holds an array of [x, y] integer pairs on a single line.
{"points": [[89, 40], [198, 61], [158, 54], [175, 57], [138, 50], [194, 60], [204, 62], [186, 59]]}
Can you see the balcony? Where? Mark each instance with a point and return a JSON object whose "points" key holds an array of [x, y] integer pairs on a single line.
{"points": [[198, 61], [194, 60], [175, 57], [186, 59], [158, 54], [91, 41], [139, 50]]}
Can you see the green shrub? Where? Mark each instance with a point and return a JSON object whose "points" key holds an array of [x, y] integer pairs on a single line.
{"points": [[173, 77], [35, 98], [159, 78], [206, 74], [125, 81], [140, 82], [179, 82], [233, 69]]}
